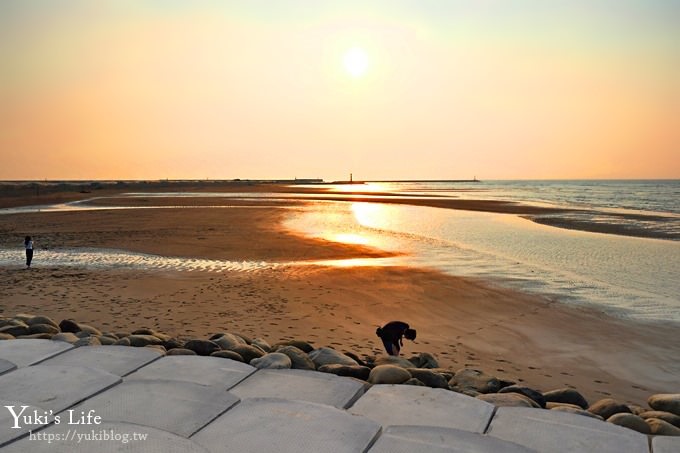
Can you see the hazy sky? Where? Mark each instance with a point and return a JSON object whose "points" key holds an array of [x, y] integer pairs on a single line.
{"points": [[258, 89]]}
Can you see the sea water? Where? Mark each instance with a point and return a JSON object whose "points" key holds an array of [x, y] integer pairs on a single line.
{"points": [[627, 276]]}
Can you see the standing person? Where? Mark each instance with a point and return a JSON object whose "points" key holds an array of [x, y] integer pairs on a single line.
{"points": [[392, 333], [28, 243]]}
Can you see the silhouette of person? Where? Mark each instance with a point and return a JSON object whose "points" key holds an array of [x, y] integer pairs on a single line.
{"points": [[28, 244], [392, 335]]}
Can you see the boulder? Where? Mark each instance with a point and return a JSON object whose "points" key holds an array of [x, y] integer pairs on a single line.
{"points": [[68, 337], [329, 356], [392, 360], [247, 352], [637, 410], [508, 400], [106, 340], [69, 325], [42, 320], [414, 381], [607, 407], [16, 331], [302, 345], [667, 402], [158, 347], [245, 338], [87, 341], [37, 336], [142, 340], [125, 341], [665, 416], [180, 351], [23, 317], [566, 395], [228, 355], [536, 396], [574, 409], [43, 328], [388, 374], [272, 361], [145, 331], [660, 427], [89, 329], [355, 371], [551, 405], [630, 421], [298, 358], [227, 340], [6, 336], [202, 347], [424, 360], [172, 343], [429, 378], [355, 357], [471, 379], [260, 343]]}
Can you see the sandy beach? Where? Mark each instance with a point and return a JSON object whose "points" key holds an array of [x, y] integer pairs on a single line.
{"points": [[463, 322]]}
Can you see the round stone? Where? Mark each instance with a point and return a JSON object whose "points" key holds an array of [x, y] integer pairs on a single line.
{"points": [[355, 371], [388, 374], [508, 400], [298, 358], [180, 351], [607, 407], [667, 402], [429, 378], [630, 421], [471, 379], [566, 395], [328, 356], [228, 355], [272, 361]]}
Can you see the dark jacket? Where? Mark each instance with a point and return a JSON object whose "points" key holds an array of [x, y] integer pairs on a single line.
{"points": [[392, 332]]}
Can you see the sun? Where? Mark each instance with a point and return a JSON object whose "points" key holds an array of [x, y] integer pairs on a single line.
{"points": [[356, 61]]}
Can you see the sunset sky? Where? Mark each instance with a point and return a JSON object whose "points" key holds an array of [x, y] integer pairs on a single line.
{"points": [[383, 89]]}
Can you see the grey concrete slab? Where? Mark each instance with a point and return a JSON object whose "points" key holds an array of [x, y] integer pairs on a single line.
{"points": [[272, 424], [545, 431], [11, 428], [118, 360], [116, 437], [435, 439], [181, 408], [54, 388], [304, 385], [6, 365], [423, 406], [212, 371], [29, 352], [665, 444]]}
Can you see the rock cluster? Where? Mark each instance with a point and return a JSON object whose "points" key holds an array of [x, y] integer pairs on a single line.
{"points": [[662, 417]]}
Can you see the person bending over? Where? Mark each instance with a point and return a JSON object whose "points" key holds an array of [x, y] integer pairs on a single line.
{"points": [[392, 335]]}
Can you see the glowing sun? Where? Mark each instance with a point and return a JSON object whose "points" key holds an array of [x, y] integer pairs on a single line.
{"points": [[356, 62]]}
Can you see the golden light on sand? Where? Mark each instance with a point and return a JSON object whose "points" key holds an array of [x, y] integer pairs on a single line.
{"points": [[350, 238], [355, 61]]}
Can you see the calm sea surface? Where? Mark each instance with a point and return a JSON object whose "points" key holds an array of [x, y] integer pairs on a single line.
{"points": [[628, 276]]}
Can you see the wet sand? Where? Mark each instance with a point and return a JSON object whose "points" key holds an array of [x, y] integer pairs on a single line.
{"points": [[464, 322]]}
